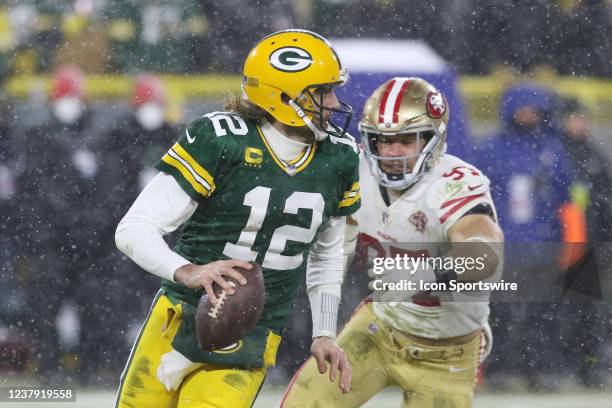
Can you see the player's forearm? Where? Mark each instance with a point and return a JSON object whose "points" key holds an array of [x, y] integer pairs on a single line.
{"points": [[326, 257], [477, 237], [145, 245], [351, 232], [323, 286], [488, 255], [324, 275], [324, 303]]}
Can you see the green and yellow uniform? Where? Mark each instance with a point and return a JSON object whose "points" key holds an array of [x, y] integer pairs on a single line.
{"points": [[252, 206]]}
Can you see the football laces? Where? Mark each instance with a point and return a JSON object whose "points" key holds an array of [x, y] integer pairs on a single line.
{"points": [[214, 312]]}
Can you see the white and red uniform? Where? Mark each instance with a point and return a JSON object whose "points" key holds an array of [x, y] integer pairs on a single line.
{"points": [[424, 213], [428, 347]]}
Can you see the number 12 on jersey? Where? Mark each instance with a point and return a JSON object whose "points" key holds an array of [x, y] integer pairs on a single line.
{"points": [[258, 199]]}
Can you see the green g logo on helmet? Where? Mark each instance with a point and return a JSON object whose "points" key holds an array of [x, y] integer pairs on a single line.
{"points": [[290, 59]]}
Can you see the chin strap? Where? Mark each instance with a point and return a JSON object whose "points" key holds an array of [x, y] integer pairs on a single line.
{"points": [[319, 134]]}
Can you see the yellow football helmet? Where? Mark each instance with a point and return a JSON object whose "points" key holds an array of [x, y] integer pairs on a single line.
{"points": [[288, 72], [403, 106]]}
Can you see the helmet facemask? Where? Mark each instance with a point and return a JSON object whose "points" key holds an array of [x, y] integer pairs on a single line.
{"points": [[309, 105], [407, 175]]}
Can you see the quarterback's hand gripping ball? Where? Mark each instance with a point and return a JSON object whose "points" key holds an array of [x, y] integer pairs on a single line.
{"points": [[226, 321]]}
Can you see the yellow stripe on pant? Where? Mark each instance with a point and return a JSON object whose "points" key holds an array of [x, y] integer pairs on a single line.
{"points": [[207, 386]]}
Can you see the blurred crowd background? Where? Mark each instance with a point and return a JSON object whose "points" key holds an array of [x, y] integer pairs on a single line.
{"points": [[93, 92], [191, 36]]}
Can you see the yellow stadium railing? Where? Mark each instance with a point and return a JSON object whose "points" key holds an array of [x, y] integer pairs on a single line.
{"points": [[481, 93]]}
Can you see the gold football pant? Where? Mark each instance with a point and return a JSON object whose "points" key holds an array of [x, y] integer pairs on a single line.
{"points": [[381, 357], [207, 386]]}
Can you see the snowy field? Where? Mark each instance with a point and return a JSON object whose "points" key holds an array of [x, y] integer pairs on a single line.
{"points": [[270, 398]]}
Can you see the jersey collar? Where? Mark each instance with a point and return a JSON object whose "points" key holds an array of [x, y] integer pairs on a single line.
{"points": [[274, 140]]}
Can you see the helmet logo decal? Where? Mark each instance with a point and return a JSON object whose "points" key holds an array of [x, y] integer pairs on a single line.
{"points": [[290, 59], [391, 100], [436, 105]]}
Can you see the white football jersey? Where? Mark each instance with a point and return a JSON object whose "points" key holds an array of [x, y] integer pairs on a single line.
{"points": [[424, 213]]}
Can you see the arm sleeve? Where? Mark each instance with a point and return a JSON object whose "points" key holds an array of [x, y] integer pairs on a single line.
{"points": [[160, 208], [351, 233], [324, 278]]}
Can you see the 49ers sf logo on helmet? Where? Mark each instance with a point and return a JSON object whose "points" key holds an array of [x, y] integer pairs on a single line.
{"points": [[290, 59], [436, 105]]}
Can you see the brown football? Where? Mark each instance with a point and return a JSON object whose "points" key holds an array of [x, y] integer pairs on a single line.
{"points": [[222, 324]]}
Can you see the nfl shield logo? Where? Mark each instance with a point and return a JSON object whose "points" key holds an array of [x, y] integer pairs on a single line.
{"points": [[385, 217], [419, 220]]}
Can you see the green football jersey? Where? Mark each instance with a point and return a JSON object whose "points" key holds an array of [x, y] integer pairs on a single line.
{"points": [[254, 206]]}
